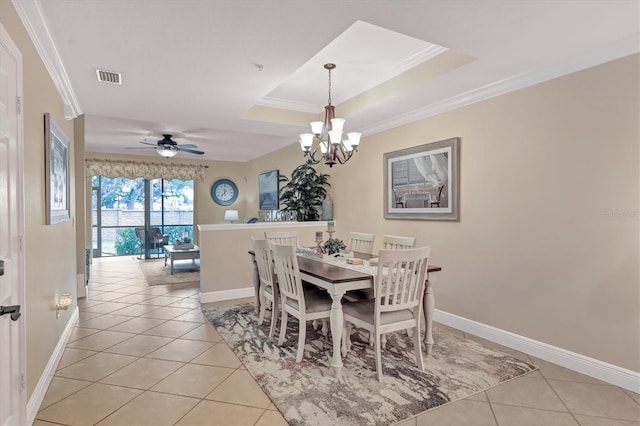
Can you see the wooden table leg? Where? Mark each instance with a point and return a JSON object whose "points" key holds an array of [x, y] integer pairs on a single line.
{"points": [[337, 325], [428, 304]]}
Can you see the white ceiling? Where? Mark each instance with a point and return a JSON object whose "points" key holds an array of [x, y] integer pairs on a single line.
{"points": [[219, 74]]}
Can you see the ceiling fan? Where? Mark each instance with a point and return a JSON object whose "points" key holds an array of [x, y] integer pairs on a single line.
{"points": [[167, 147]]}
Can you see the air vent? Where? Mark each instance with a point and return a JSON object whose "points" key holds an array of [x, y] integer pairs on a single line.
{"points": [[109, 77]]}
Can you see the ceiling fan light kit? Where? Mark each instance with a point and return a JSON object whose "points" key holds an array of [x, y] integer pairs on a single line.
{"points": [[167, 151], [328, 136], [167, 147]]}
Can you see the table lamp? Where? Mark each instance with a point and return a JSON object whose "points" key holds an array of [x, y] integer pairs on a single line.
{"points": [[231, 215]]}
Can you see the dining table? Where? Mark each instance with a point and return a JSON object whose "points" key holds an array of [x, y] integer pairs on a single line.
{"points": [[337, 280]]}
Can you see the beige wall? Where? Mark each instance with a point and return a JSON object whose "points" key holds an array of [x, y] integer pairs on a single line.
{"points": [[78, 130], [225, 261], [49, 249], [547, 242]]}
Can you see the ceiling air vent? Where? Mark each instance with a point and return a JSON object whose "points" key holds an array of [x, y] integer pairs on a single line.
{"points": [[109, 77]]}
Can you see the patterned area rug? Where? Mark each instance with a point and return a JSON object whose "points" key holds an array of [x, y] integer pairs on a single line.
{"points": [[183, 271], [308, 394]]}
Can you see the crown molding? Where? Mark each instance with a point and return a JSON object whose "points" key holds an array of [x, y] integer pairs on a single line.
{"points": [[30, 12], [420, 57], [279, 103], [621, 48]]}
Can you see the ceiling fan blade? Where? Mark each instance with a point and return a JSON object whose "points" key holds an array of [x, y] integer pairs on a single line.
{"points": [[187, 145], [142, 147], [191, 151], [148, 143]]}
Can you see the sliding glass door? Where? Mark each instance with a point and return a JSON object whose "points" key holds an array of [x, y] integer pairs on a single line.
{"points": [[122, 209]]}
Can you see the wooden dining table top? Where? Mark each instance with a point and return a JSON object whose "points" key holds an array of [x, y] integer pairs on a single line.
{"points": [[338, 274]]}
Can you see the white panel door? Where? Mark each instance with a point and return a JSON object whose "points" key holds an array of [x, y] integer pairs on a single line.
{"points": [[12, 334]]}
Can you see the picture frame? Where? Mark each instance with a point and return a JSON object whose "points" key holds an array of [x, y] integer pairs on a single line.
{"points": [[57, 182], [269, 190], [422, 182]]}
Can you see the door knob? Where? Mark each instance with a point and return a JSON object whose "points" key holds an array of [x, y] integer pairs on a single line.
{"points": [[14, 310]]}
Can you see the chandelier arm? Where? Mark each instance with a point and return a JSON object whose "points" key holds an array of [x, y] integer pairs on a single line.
{"points": [[346, 155], [311, 155]]}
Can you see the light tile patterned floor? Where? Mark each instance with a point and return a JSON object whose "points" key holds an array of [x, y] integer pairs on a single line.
{"points": [[145, 355]]}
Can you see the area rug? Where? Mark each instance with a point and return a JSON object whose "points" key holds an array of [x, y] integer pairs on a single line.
{"points": [[308, 393], [156, 273]]}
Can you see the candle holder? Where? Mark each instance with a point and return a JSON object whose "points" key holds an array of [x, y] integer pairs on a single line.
{"points": [[318, 241], [331, 228]]}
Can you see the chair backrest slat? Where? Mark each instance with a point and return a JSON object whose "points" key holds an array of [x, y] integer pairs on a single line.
{"points": [[288, 272], [393, 242], [264, 261], [282, 237], [361, 242], [401, 278]]}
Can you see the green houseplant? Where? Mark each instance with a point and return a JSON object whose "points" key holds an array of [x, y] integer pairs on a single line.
{"points": [[304, 191]]}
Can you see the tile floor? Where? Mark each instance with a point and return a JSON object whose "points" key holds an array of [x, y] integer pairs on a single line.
{"points": [[145, 355]]}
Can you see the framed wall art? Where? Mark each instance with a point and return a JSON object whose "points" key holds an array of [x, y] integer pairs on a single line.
{"points": [[422, 182], [57, 184], [268, 190]]}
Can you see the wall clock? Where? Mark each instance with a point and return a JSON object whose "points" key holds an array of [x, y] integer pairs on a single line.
{"points": [[224, 192]]}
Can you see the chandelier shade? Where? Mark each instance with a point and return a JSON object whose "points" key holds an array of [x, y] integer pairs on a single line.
{"points": [[327, 136]]}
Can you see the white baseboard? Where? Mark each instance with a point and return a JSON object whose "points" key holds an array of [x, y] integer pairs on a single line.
{"points": [[217, 296], [601, 370], [45, 379]]}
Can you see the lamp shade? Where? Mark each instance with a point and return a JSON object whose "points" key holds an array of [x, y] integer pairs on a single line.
{"points": [[231, 215]]}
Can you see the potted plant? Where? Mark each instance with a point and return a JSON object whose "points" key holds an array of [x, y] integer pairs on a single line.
{"points": [[304, 191], [333, 245]]}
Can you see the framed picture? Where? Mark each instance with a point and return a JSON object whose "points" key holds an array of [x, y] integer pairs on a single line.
{"points": [[268, 190], [57, 185], [422, 182]]}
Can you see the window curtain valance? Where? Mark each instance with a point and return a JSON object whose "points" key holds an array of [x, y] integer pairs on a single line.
{"points": [[144, 169]]}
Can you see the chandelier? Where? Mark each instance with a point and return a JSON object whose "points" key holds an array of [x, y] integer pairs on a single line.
{"points": [[327, 136]]}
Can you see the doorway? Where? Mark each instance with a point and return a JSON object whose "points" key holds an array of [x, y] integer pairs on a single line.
{"points": [[12, 322], [121, 205]]}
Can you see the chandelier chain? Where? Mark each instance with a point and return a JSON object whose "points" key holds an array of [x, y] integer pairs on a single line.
{"points": [[329, 87]]}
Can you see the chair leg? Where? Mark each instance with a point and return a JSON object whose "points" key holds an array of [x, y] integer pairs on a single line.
{"points": [[325, 327], [302, 336], [274, 317], [263, 308], [418, 348], [283, 326], [378, 357]]}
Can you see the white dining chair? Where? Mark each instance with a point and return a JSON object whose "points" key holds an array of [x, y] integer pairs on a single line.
{"points": [[390, 242], [393, 242], [282, 237], [268, 283], [399, 287], [361, 242], [295, 300]]}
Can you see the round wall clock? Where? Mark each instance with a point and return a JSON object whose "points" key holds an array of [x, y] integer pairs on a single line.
{"points": [[224, 192]]}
